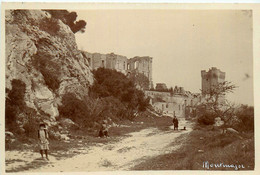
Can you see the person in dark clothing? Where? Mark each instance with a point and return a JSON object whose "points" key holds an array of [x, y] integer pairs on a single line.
{"points": [[175, 123], [103, 130]]}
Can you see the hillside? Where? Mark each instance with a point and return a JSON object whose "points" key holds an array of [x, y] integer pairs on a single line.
{"points": [[41, 52]]}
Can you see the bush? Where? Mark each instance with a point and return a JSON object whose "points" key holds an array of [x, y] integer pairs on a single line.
{"points": [[31, 125], [206, 119], [49, 25], [14, 103], [112, 96], [84, 112], [245, 115], [204, 115], [48, 68]]}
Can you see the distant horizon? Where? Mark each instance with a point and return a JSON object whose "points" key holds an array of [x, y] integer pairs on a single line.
{"points": [[196, 40]]}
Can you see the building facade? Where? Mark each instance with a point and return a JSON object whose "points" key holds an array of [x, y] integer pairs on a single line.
{"points": [[210, 79], [141, 65], [171, 104]]}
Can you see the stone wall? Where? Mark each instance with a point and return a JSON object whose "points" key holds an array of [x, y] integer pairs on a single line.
{"points": [[168, 104], [142, 65]]}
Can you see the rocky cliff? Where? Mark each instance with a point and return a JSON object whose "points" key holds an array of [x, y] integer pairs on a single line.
{"points": [[42, 52]]}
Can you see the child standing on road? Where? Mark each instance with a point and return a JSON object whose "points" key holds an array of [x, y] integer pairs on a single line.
{"points": [[43, 140]]}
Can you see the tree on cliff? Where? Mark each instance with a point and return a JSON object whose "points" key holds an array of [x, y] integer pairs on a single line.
{"points": [[69, 18]]}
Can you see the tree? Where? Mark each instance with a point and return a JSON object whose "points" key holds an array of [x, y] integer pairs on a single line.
{"points": [[69, 18], [112, 83], [140, 80], [215, 104]]}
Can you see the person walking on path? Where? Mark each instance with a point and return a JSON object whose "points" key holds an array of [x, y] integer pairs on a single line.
{"points": [[43, 140], [175, 123]]}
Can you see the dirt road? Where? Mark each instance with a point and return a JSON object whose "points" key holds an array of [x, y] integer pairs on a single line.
{"points": [[122, 155]]}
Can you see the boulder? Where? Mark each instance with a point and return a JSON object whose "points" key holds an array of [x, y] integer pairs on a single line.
{"points": [[67, 123], [218, 122], [232, 131], [64, 137], [55, 135], [9, 134]]}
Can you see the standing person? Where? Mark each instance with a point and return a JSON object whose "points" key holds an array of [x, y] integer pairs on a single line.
{"points": [[43, 140], [175, 122]]}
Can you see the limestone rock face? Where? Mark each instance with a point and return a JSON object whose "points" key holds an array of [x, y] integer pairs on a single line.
{"points": [[42, 52]]}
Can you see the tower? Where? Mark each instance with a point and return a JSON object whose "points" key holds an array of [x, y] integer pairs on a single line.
{"points": [[210, 79]]}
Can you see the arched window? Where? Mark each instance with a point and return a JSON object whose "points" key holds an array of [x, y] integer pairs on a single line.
{"points": [[136, 65]]}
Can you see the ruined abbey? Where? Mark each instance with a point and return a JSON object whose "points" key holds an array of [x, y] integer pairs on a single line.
{"points": [[142, 65], [176, 102]]}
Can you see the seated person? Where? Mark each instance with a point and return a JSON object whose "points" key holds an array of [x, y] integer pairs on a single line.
{"points": [[103, 130]]}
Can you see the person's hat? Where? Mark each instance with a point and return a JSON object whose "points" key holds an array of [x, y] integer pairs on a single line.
{"points": [[42, 124]]}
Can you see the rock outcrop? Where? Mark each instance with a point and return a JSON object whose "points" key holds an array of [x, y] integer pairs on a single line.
{"points": [[42, 52]]}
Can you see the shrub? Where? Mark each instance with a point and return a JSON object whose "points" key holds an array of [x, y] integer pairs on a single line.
{"points": [[14, 103], [206, 119], [32, 124], [112, 96], [245, 115], [50, 70], [84, 111], [204, 115], [49, 25]]}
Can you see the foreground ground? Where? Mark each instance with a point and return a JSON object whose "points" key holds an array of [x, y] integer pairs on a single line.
{"points": [[143, 144], [129, 145]]}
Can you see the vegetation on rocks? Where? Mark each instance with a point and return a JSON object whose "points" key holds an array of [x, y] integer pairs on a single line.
{"points": [[48, 68], [113, 97], [14, 102], [69, 18]]}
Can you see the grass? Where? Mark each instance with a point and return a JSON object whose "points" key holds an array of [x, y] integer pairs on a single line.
{"points": [[215, 148]]}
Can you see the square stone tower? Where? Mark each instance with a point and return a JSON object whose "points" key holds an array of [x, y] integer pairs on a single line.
{"points": [[211, 78]]}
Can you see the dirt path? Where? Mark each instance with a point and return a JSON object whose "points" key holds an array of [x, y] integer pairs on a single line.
{"points": [[123, 155]]}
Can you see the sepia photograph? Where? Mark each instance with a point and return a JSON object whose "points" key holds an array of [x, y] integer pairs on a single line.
{"points": [[128, 89]]}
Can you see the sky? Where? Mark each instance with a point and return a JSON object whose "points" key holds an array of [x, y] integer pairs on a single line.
{"points": [[181, 42]]}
